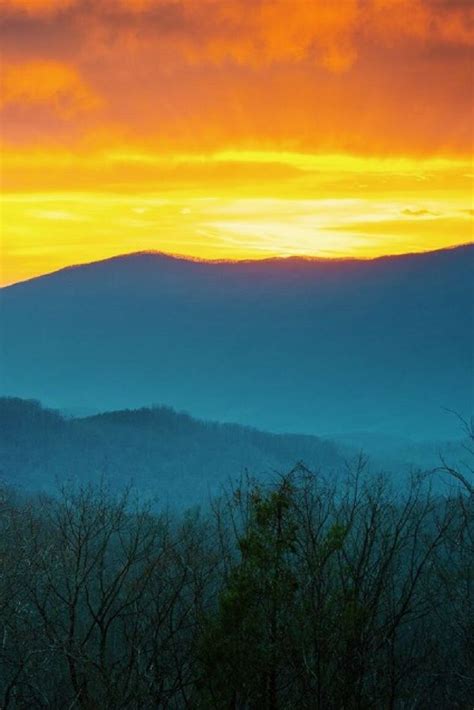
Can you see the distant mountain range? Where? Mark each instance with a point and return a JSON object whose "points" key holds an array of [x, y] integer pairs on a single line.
{"points": [[160, 452], [178, 460], [286, 345]]}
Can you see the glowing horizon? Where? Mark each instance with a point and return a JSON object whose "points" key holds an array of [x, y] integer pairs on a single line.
{"points": [[203, 130]]}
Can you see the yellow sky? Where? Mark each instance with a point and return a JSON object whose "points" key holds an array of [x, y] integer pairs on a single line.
{"points": [[229, 205], [203, 130]]}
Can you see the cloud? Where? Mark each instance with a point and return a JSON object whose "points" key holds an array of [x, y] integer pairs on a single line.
{"points": [[57, 215], [276, 31], [429, 20], [47, 82], [270, 30], [37, 7], [445, 231], [419, 213], [206, 75]]}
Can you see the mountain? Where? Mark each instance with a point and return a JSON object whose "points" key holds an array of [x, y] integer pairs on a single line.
{"points": [[162, 453], [312, 346]]}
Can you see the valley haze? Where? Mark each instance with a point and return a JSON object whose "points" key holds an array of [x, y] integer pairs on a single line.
{"points": [[312, 346]]}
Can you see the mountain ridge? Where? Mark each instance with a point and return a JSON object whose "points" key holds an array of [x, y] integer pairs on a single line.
{"points": [[303, 347], [264, 261], [177, 457], [157, 449]]}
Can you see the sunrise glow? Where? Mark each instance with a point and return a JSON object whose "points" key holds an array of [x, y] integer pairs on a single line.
{"points": [[200, 129]]}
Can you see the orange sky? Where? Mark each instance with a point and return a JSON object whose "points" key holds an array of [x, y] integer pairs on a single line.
{"points": [[233, 128]]}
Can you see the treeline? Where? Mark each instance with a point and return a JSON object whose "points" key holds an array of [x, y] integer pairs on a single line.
{"points": [[304, 593]]}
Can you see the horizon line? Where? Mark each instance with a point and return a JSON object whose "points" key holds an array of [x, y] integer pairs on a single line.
{"points": [[173, 256]]}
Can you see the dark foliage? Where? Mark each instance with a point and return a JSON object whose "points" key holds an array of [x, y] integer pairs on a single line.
{"points": [[310, 592]]}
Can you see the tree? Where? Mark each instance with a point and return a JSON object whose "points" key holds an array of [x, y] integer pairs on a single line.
{"points": [[243, 649]]}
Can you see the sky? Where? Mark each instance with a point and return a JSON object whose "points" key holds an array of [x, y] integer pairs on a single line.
{"points": [[231, 129]]}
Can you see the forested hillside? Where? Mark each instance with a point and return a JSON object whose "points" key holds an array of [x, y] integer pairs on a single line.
{"points": [[307, 592], [172, 456], [320, 585]]}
